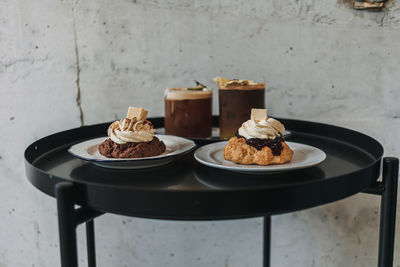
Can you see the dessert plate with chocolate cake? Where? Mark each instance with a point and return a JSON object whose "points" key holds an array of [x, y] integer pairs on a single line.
{"points": [[259, 147], [132, 144]]}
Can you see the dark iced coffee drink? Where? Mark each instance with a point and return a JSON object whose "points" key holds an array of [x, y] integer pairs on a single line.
{"points": [[236, 99], [188, 112]]}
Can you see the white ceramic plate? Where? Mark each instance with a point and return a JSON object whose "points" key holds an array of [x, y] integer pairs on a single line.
{"points": [[304, 156], [88, 150]]}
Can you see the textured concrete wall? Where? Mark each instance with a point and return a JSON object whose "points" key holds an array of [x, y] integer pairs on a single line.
{"points": [[66, 63]]}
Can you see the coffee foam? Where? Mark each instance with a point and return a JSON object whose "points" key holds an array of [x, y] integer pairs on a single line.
{"points": [[184, 93]]}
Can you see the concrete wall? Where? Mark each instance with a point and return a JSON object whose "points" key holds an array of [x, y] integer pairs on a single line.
{"points": [[321, 61]]}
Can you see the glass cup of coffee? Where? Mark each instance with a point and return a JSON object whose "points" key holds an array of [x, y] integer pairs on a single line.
{"points": [[188, 112], [236, 99]]}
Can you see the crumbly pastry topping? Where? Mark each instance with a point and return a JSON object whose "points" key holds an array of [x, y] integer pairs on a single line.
{"points": [[238, 151], [134, 128]]}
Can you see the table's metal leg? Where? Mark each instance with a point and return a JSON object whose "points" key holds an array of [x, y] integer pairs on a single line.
{"points": [[66, 224], [91, 251], [267, 241], [388, 212]]}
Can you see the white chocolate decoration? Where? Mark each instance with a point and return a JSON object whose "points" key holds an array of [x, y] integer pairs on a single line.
{"points": [[138, 113], [258, 114]]}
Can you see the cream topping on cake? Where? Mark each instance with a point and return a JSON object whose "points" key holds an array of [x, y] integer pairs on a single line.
{"points": [[127, 130], [268, 128], [134, 128]]}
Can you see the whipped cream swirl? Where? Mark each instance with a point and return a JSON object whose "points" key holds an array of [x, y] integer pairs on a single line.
{"points": [[268, 128], [127, 130]]}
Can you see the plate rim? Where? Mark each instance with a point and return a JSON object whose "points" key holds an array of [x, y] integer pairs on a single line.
{"points": [[161, 131], [159, 157], [242, 167]]}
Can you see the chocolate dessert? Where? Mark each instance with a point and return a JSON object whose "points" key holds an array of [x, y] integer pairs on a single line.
{"points": [[132, 137], [132, 150]]}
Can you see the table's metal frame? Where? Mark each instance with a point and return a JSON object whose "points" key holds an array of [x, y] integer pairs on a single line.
{"points": [[69, 218]]}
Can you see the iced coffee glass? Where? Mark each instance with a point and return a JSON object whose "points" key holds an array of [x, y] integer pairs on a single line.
{"points": [[236, 99], [188, 112]]}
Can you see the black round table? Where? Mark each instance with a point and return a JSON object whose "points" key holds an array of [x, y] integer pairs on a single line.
{"points": [[187, 190]]}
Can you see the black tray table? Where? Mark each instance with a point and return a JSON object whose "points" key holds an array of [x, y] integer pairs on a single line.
{"points": [[187, 190]]}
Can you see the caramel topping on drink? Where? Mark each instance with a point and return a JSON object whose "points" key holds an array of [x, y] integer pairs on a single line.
{"points": [[235, 84]]}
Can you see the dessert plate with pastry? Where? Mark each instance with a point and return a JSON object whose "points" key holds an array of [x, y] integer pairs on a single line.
{"points": [[132, 144], [259, 147]]}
